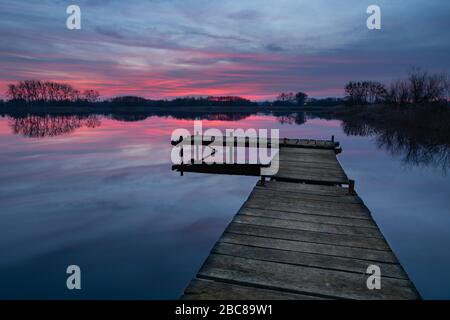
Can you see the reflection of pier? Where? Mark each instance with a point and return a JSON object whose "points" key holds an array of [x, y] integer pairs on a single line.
{"points": [[305, 234]]}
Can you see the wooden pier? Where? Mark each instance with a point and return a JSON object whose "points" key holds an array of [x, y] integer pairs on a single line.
{"points": [[305, 234]]}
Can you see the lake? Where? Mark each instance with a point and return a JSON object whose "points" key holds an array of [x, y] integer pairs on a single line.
{"points": [[99, 192]]}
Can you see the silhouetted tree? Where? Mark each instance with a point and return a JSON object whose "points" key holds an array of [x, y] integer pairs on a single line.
{"points": [[325, 102], [417, 85], [129, 101], [419, 88], [286, 97], [36, 91], [300, 98], [91, 96], [398, 93], [365, 92]]}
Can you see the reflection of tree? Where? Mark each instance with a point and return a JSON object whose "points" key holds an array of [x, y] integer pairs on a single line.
{"points": [[129, 117], [290, 118], [417, 152], [50, 126], [228, 116], [421, 141], [220, 116], [355, 127]]}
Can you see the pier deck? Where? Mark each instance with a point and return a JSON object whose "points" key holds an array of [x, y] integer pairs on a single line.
{"points": [[301, 235]]}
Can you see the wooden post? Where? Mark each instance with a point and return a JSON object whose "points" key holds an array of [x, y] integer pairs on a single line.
{"points": [[332, 138], [351, 186], [263, 180], [284, 142], [182, 164]]}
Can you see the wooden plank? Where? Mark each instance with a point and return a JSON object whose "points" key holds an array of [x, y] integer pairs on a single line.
{"points": [[307, 188], [312, 171], [310, 226], [202, 289], [309, 236], [336, 206], [307, 151], [304, 201], [310, 247], [247, 141], [288, 207], [310, 164], [302, 280], [326, 159], [302, 206], [267, 190], [307, 259], [310, 177], [293, 154], [331, 167], [276, 214]]}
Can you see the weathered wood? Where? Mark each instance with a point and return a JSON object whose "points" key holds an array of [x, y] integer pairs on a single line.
{"points": [[308, 236], [306, 259], [301, 236], [263, 197], [304, 207], [307, 188], [346, 198], [310, 247], [248, 142], [314, 177], [202, 289], [310, 226], [312, 172], [302, 280], [332, 166], [339, 221]]}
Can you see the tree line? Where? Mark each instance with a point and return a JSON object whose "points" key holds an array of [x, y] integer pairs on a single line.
{"points": [[290, 98], [420, 87], [36, 91]]}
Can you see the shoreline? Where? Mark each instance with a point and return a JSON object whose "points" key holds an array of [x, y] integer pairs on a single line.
{"points": [[58, 110]]}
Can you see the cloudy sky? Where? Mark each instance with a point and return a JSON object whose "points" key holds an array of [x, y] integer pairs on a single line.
{"points": [[252, 48]]}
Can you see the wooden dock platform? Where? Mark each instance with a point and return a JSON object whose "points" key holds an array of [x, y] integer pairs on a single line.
{"points": [[302, 235]]}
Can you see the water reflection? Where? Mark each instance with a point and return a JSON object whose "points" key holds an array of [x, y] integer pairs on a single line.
{"points": [[39, 126], [34, 126], [416, 147], [290, 118]]}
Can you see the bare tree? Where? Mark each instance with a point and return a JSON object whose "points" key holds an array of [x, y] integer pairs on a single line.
{"points": [[300, 98], [32, 91], [398, 93], [91, 95], [365, 92], [286, 97], [417, 85]]}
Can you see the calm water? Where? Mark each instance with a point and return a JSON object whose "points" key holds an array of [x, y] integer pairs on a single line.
{"points": [[100, 193]]}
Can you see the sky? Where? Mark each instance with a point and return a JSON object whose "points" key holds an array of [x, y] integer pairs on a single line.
{"points": [[251, 48]]}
